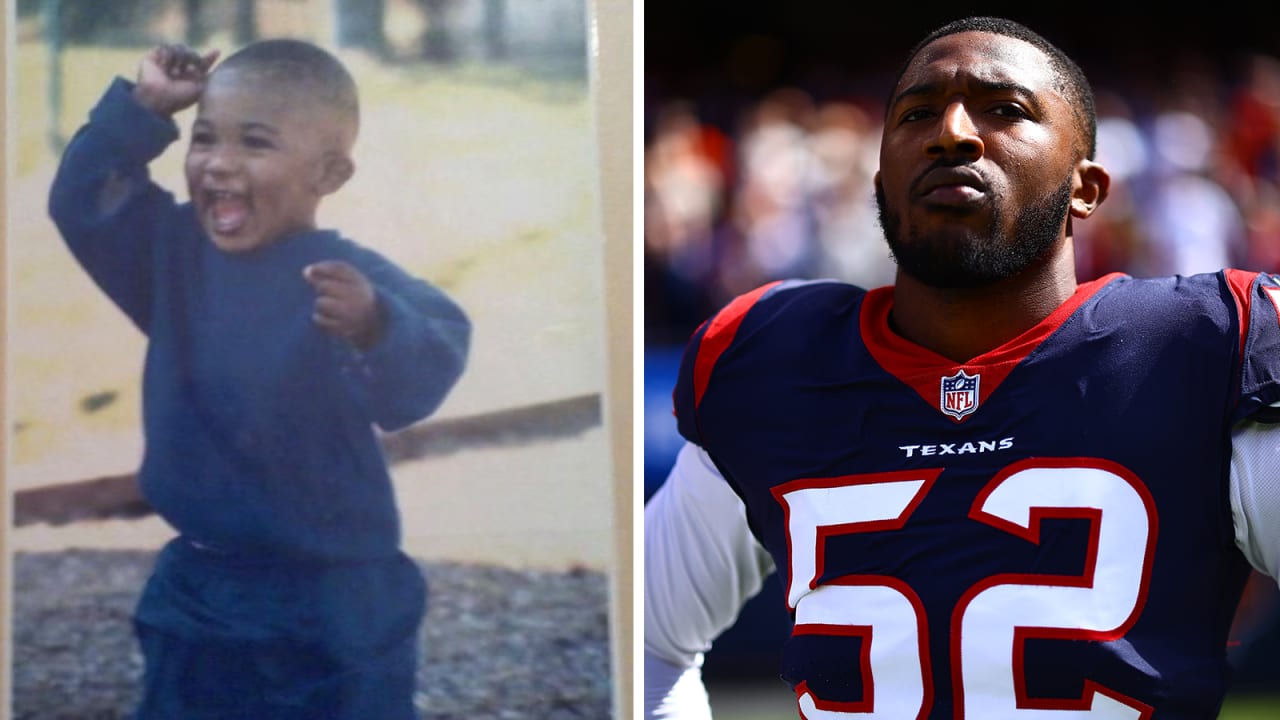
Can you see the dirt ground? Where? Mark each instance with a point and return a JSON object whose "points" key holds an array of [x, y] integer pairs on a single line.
{"points": [[496, 643]]}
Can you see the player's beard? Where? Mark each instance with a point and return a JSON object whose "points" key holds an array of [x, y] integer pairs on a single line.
{"points": [[968, 261]]}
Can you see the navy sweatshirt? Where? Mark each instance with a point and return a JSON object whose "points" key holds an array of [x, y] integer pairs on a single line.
{"points": [[260, 437]]}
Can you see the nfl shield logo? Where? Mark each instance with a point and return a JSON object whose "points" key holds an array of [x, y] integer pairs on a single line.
{"points": [[959, 394]]}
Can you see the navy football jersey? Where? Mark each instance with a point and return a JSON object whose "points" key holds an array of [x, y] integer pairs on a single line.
{"points": [[1043, 531]]}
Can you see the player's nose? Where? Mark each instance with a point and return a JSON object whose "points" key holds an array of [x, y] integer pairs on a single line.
{"points": [[957, 135]]}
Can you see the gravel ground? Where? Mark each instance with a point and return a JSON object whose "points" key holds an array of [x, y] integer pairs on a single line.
{"points": [[497, 644]]}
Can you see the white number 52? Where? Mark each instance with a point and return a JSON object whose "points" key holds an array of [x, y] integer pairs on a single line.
{"points": [[994, 617]]}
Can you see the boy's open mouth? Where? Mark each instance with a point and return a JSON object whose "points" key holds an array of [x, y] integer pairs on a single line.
{"points": [[227, 211]]}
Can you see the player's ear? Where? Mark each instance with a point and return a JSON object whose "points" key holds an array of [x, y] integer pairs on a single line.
{"points": [[335, 170], [1089, 186]]}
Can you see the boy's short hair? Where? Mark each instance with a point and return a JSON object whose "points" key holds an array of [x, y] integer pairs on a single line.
{"points": [[299, 65]]}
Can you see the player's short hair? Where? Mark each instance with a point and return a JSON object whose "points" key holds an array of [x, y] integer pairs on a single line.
{"points": [[1072, 82], [299, 65]]}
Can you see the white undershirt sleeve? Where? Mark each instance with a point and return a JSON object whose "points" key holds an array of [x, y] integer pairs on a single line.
{"points": [[701, 564], [1255, 493]]}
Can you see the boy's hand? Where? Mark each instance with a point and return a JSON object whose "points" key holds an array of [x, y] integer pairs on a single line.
{"points": [[346, 305], [171, 78]]}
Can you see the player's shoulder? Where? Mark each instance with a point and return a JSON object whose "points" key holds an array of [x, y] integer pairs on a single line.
{"points": [[1221, 299], [758, 332], [783, 306], [1201, 287]]}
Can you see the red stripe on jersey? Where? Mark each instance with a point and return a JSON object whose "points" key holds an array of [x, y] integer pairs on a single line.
{"points": [[923, 369], [1240, 283], [719, 335]]}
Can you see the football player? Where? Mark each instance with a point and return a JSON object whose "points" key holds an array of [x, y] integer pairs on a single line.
{"points": [[991, 490]]}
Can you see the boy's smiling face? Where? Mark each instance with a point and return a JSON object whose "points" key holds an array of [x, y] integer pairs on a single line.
{"points": [[261, 157]]}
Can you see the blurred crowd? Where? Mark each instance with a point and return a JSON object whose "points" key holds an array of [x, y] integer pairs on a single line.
{"points": [[784, 190]]}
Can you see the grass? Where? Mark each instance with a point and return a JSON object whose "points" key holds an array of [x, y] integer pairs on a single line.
{"points": [[1251, 708], [772, 701], [480, 178]]}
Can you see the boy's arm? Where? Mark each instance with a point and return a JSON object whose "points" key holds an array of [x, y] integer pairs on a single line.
{"points": [[102, 200], [405, 341]]}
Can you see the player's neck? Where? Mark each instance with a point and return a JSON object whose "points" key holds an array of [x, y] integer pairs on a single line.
{"points": [[963, 324]]}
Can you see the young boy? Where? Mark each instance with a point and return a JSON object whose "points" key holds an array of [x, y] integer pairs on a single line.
{"points": [[273, 350]]}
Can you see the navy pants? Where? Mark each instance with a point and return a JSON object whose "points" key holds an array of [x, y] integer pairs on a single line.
{"points": [[230, 639]]}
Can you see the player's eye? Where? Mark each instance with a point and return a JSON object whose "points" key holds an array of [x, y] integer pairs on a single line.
{"points": [[915, 114], [1011, 111], [202, 138]]}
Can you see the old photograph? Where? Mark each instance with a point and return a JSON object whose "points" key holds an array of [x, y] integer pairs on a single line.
{"points": [[307, 356]]}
